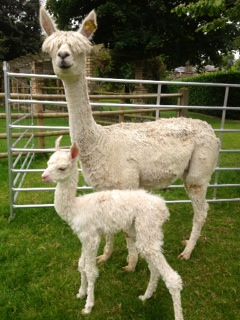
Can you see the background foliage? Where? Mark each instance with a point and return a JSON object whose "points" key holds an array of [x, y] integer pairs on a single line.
{"points": [[19, 28], [212, 96], [137, 32], [212, 14]]}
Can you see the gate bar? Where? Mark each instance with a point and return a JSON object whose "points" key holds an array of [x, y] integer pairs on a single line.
{"points": [[180, 83], [51, 205], [9, 136], [31, 151], [124, 105], [225, 102]]}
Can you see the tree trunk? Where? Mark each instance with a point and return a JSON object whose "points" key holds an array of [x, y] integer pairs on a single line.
{"points": [[139, 88]]}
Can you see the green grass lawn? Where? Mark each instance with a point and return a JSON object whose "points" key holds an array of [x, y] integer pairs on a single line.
{"points": [[39, 256]]}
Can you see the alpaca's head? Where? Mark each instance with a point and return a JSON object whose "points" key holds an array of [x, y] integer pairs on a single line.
{"points": [[67, 48], [62, 164]]}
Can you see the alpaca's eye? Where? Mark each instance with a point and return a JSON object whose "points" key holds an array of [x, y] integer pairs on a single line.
{"points": [[62, 169]]}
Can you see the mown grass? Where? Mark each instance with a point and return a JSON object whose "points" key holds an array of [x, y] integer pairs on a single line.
{"points": [[39, 255]]}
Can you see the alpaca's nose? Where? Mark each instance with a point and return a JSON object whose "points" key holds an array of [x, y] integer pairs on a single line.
{"points": [[46, 177], [63, 54]]}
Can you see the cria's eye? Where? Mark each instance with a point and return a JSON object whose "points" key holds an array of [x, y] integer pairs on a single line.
{"points": [[62, 169]]}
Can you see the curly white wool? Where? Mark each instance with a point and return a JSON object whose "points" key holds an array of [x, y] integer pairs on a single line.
{"points": [[128, 155], [139, 214]]}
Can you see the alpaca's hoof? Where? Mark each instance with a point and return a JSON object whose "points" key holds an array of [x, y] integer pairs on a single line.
{"points": [[101, 259], [142, 298], [128, 268], [81, 295], [184, 256], [86, 310]]}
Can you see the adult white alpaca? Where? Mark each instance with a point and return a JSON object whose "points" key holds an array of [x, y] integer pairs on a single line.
{"points": [[139, 214], [129, 155]]}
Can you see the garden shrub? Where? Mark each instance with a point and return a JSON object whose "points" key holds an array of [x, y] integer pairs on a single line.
{"points": [[214, 96]]}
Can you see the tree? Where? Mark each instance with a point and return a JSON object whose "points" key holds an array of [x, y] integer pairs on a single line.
{"points": [[212, 14], [138, 31], [19, 28], [215, 16]]}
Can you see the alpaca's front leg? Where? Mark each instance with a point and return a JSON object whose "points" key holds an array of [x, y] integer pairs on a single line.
{"points": [[90, 297], [83, 288], [91, 271], [91, 278]]}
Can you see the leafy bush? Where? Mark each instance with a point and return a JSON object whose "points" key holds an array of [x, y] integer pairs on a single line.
{"points": [[214, 96]]}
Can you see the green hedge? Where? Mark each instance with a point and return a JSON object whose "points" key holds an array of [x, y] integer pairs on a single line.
{"points": [[214, 96]]}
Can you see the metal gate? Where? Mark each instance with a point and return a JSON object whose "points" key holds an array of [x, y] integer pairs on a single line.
{"points": [[22, 150]]}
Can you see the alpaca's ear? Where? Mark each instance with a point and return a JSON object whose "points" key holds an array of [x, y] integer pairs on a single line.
{"points": [[89, 25], [46, 22], [57, 143], [74, 151]]}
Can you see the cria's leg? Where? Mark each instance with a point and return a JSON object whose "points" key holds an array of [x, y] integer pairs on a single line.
{"points": [[197, 194], [108, 249], [83, 288], [90, 248], [176, 297], [132, 258], [171, 278], [152, 284], [149, 239]]}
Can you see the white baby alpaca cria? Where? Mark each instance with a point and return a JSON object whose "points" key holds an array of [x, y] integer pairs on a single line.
{"points": [[139, 214]]}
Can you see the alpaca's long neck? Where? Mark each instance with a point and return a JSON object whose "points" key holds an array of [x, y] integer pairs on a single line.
{"points": [[83, 128], [65, 196]]}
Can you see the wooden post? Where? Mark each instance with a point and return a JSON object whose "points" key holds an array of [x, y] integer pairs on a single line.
{"points": [[183, 101], [37, 84], [139, 87], [121, 116]]}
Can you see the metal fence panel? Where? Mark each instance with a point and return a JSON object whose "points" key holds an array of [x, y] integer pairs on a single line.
{"points": [[20, 166]]}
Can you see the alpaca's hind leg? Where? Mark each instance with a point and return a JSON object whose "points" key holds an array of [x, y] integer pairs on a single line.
{"points": [[132, 258], [196, 178], [108, 249], [149, 240], [83, 288], [171, 278], [90, 247], [197, 194], [152, 284]]}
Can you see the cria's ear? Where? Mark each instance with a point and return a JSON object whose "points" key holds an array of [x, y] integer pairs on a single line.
{"points": [[74, 151], [46, 22], [57, 143], [89, 25]]}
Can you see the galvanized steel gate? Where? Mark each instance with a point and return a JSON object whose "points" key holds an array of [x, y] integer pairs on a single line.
{"points": [[23, 163]]}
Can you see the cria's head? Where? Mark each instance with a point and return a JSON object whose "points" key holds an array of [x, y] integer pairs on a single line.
{"points": [[62, 163], [67, 48]]}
